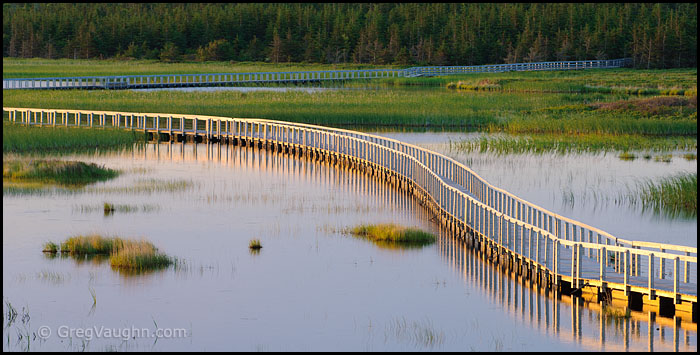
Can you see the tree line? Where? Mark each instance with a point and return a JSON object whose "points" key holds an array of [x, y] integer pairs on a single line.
{"points": [[661, 35]]}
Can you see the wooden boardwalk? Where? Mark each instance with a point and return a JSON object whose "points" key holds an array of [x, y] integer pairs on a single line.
{"points": [[262, 78], [552, 249]]}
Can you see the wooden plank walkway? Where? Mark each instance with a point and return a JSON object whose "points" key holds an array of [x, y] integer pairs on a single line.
{"points": [[563, 252], [232, 79]]}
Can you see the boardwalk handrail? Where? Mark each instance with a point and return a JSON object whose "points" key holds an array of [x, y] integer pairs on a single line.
{"points": [[489, 212], [171, 80]]}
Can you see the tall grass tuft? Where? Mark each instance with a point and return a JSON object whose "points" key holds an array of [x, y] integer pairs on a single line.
{"points": [[392, 233], [123, 253], [50, 247], [254, 244], [138, 255], [674, 195]]}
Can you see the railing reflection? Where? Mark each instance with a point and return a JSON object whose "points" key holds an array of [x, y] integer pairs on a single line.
{"points": [[571, 318]]}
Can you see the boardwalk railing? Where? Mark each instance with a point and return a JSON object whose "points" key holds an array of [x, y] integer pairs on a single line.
{"points": [[219, 79], [539, 241]]}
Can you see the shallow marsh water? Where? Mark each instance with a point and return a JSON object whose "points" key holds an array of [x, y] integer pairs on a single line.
{"points": [[309, 288], [583, 186]]}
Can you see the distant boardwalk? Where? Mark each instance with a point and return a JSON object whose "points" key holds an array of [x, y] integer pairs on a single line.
{"points": [[230, 79], [548, 249]]}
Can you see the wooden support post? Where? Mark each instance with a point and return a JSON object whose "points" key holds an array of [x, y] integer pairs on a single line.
{"points": [[650, 276], [676, 280]]}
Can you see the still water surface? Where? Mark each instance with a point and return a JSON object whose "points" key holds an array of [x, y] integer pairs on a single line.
{"points": [[311, 287], [588, 187]]}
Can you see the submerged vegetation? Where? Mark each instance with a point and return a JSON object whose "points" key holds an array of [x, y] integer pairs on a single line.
{"points": [[123, 253], [70, 173], [392, 235]]}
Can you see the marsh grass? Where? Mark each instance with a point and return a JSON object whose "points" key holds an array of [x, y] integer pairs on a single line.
{"points": [[690, 156], [140, 186], [50, 247], [420, 333], [495, 112], [108, 208], [70, 173], [111, 208], [18, 138], [139, 255], [36, 67], [664, 158], [627, 156], [52, 276], [123, 253], [254, 244], [673, 195], [616, 313], [391, 235], [572, 143]]}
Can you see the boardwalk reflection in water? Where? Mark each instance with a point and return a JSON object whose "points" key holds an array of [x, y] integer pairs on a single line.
{"points": [[543, 309], [572, 319], [310, 288]]}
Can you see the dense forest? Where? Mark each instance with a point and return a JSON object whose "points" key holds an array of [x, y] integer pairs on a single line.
{"points": [[655, 35]]}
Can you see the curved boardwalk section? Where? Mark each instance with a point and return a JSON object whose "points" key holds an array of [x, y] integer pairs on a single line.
{"points": [[547, 248], [223, 79]]}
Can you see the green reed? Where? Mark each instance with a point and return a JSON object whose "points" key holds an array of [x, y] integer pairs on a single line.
{"points": [[123, 253], [18, 138], [673, 195], [392, 233], [575, 143]]}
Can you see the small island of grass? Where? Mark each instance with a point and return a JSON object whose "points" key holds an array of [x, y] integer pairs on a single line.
{"points": [[391, 235], [123, 253], [54, 171], [254, 244]]}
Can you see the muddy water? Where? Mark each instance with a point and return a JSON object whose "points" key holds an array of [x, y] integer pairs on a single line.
{"points": [[311, 287]]}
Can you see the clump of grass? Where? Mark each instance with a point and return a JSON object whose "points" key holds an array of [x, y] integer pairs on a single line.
{"points": [[616, 313], [123, 253], [690, 156], [55, 171], [108, 208], [674, 195], [50, 247], [627, 156], [254, 244], [665, 158], [393, 233], [88, 245], [483, 85], [138, 255]]}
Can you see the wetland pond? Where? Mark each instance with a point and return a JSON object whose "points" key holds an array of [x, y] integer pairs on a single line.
{"points": [[311, 287]]}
